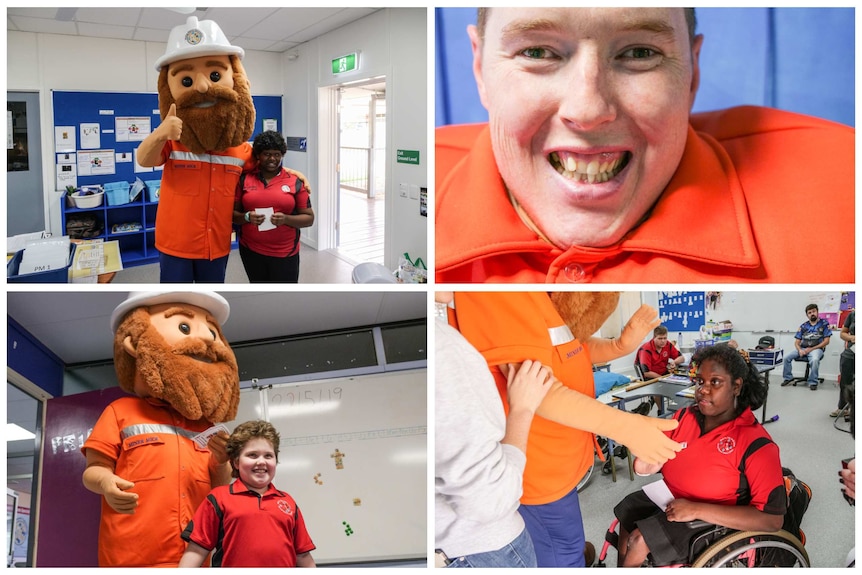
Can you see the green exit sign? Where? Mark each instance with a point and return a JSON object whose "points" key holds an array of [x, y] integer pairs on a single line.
{"points": [[407, 156], [344, 64]]}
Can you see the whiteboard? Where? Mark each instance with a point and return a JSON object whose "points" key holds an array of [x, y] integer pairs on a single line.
{"points": [[770, 310], [354, 457]]}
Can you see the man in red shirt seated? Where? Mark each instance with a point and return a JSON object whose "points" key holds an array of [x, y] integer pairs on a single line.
{"points": [[655, 358]]}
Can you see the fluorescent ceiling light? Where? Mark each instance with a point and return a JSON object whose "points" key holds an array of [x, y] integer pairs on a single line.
{"points": [[15, 432]]}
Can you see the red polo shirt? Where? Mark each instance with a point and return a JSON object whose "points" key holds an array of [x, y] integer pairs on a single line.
{"points": [[708, 468], [247, 529], [655, 359], [195, 215], [760, 195]]}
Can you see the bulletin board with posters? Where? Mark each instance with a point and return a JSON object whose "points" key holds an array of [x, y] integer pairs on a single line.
{"points": [[682, 310], [98, 132], [354, 458]]}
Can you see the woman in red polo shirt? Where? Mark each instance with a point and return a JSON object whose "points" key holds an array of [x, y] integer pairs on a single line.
{"points": [[728, 474], [272, 204]]}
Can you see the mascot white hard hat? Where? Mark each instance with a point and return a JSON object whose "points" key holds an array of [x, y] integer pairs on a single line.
{"points": [[214, 303], [194, 39]]}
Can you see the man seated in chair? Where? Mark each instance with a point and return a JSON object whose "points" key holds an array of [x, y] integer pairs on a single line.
{"points": [[729, 472], [811, 340], [657, 357]]}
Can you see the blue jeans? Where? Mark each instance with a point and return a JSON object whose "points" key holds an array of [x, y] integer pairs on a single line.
{"points": [[557, 531], [518, 553], [813, 358], [182, 270]]}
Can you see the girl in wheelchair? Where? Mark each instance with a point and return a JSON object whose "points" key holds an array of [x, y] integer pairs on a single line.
{"points": [[729, 472]]}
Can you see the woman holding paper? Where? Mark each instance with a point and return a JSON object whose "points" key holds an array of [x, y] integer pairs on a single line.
{"points": [[272, 204], [729, 472]]}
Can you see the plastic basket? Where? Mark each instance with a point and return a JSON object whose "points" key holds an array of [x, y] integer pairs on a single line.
{"points": [[117, 193], [57, 276], [153, 189], [88, 201]]}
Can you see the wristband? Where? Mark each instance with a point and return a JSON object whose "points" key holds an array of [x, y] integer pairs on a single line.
{"points": [[247, 218]]}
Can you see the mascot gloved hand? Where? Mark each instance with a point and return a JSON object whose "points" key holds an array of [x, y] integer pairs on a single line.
{"points": [[169, 351], [565, 332]]}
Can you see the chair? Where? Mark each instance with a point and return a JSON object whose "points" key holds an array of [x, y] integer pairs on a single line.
{"points": [[804, 378]]}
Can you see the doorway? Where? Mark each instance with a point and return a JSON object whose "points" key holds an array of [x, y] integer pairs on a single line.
{"points": [[25, 204], [361, 159], [22, 455]]}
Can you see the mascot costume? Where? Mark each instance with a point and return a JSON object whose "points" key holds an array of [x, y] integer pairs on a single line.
{"points": [[207, 118], [146, 455], [557, 330]]}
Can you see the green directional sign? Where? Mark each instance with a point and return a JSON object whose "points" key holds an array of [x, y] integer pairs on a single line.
{"points": [[344, 64], [407, 157]]}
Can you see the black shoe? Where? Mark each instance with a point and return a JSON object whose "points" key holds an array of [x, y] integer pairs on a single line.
{"points": [[606, 468], [643, 409], [786, 382], [812, 387]]}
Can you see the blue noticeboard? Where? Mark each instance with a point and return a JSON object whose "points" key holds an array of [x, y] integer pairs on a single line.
{"points": [[103, 108], [682, 310]]}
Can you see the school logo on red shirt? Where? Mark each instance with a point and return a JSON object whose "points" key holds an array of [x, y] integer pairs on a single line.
{"points": [[726, 445], [285, 508]]}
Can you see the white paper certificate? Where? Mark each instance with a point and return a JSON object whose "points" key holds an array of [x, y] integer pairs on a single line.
{"points": [[659, 493]]}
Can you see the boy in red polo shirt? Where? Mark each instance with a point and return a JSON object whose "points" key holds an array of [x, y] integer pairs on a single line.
{"points": [[230, 521]]}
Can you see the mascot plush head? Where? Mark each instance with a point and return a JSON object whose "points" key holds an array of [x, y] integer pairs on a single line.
{"points": [[201, 73], [169, 345], [585, 312]]}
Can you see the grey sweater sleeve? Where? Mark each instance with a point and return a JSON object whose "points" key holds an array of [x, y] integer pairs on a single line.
{"points": [[477, 479]]}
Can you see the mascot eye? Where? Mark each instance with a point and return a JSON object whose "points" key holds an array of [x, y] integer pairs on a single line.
{"points": [[187, 82], [213, 334], [185, 328], [215, 76]]}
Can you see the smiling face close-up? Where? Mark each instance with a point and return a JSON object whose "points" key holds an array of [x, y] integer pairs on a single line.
{"points": [[588, 110], [256, 464]]}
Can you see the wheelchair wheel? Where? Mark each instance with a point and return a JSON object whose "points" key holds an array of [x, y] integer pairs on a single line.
{"points": [[585, 480], [755, 549]]}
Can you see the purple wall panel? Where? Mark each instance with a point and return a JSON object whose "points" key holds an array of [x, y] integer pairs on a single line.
{"points": [[69, 513]]}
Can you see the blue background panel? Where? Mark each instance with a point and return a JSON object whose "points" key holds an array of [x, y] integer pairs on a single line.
{"points": [[796, 59]]}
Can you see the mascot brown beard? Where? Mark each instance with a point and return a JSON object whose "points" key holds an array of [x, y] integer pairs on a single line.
{"points": [[227, 123], [197, 378]]}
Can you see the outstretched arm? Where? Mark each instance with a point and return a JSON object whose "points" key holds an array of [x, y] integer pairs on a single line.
{"points": [[643, 435], [644, 320]]}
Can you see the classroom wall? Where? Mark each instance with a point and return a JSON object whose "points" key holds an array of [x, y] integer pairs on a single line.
{"points": [[391, 42], [748, 339], [388, 43]]}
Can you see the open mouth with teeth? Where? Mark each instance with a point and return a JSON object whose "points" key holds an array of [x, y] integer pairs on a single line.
{"points": [[593, 168]]}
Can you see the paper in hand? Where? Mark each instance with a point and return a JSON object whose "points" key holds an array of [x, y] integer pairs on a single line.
{"points": [[267, 219], [659, 493], [203, 438]]}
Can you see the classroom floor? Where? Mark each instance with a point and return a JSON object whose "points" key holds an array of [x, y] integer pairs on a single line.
{"points": [[810, 446], [323, 267]]}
